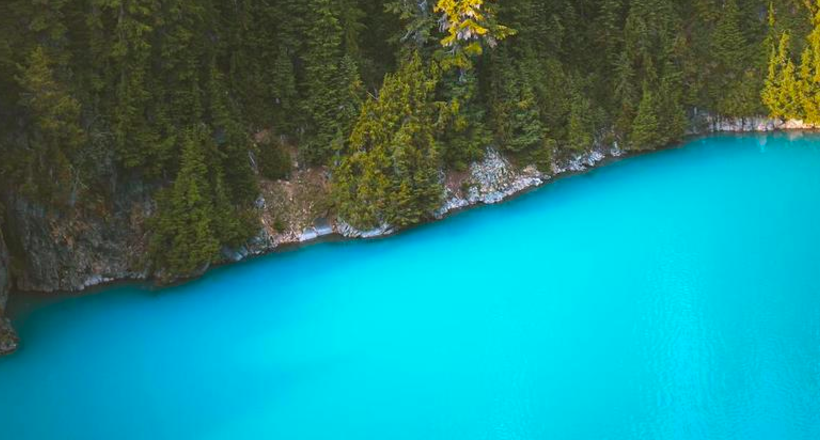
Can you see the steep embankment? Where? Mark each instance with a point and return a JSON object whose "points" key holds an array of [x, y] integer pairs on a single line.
{"points": [[70, 252], [8, 339]]}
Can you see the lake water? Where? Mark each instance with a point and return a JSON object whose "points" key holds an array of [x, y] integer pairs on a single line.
{"points": [[670, 296]]}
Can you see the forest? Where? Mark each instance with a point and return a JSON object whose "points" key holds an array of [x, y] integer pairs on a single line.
{"points": [[386, 95]]}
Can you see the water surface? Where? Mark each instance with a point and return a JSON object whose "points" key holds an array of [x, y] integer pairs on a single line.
{"points": [[670, 296]]}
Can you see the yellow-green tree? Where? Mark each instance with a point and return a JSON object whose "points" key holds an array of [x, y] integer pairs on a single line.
{"points": [[467, 24], [389, 171], [809, 74], [780, 91]]}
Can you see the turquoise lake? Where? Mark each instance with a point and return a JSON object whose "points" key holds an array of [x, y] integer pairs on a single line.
{"points": [[669, 296]]}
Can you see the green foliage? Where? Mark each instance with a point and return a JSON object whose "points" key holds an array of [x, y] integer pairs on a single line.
{"points": [[645, 133], [185, 234], [285, 95], [55, 135], [418, 19], [467, 24], [462, 122], [581, 129], [332, 82], [781, 91], [274, 160], [195, 215], [101, 94], [389, 172], [809, 74]]}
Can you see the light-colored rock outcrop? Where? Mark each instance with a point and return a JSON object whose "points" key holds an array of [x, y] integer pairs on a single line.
{"points": [[495, 179], [711, 124]]}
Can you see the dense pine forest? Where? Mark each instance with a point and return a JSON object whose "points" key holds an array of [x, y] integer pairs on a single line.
{"points": [[200, 99]]}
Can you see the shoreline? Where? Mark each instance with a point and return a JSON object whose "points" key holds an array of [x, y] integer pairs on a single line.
{"points": [[501, 182], [338, 232], [341, 232]]}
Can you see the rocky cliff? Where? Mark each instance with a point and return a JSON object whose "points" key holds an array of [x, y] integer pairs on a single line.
{"points": [[70, 250], [8, 339]]}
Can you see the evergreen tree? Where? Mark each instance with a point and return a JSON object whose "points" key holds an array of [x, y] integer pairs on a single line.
{"points": [[645, 133], [780, 93], [672, 119], [418, 19], [329, 77], [285, 94], [729, 54], [185, 236], [233, 159], [462, 121], [625, 95], [389, 172], [56, 134], [468, 24], [809, 77], [580, 124]]}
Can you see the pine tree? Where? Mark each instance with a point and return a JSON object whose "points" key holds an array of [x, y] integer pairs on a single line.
{"points": [[645, 129], [467, 24], [56, 135], [625, 95], [464, 135], [234, 158], [185, 236], [809, 78], [135, 137], [419, 21], [780, 92], [728, 54], [672, 119], [608, 35], [516, 116], [580, 124], [351, 96], [525, 129], [390, 167], [285, 95], [728, 42], [329, 77]]}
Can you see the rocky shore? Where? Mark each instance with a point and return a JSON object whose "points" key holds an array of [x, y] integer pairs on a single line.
{"points": [[8, 338], [69, 253]]}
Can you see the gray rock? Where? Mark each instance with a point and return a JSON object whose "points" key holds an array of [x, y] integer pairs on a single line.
{"points": [[8, 338], [346, 230], [71, 251], [5, 280]]}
